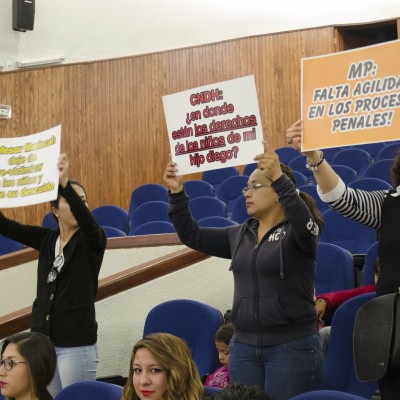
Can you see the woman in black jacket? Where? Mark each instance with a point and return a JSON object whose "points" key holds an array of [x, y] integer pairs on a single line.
{"points": [[69, 263], [275, 344]]}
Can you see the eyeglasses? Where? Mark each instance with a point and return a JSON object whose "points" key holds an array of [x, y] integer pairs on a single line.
{"points": [[9, 364], [253, 187], [57, 265]]}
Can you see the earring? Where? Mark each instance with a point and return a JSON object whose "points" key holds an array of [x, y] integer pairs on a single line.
{"points": [[277, 199]]}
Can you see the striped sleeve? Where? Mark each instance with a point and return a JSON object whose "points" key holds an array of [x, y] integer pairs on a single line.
{"points": [[361, 206]]}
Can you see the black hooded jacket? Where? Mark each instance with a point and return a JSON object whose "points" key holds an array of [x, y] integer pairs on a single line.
{"points": [[274, 279]]}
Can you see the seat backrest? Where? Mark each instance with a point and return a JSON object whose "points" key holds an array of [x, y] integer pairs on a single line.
{"points": [[150, 211], [327, 395], [368, 271], [111, 231], [339, 373], [153, 228], [147, 192], [239, 210], [330, 152], [312, 191], [216, 222], [390, 151], [197, 188], [90, 390], [286, 154], [230, 189], [347, 174], [9, 246], [193, 321], [372, 148], [357, 159], [217, 176], [203, 207], [380, 169], [300, 179], [49, 221], [370, 184], [110, 215], [299, 164], [344, 232], [334, 269], [249, 168], [211, 391]]}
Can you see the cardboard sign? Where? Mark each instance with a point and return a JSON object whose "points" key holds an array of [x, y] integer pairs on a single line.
{"points": [[28, 168], [214, 126], [352, 97]]}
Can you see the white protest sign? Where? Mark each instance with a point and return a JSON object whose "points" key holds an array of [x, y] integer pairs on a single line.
{"points": [[28, 168], [214, 126]]}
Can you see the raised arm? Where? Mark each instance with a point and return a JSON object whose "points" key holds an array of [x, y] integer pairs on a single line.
{"points": [[325, 176]]}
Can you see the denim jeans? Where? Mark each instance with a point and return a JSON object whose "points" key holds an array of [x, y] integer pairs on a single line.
{"points": [[74, 364], [283, 371]]}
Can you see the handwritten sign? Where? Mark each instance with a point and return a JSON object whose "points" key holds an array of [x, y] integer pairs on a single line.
{"points": [[214, 126], [352, 97], [28, 168]]}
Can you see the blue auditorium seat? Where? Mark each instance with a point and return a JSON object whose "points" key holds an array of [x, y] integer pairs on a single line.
{"points": [[111, 231], [9, 246], [150, 211], [380, 169], [205, 206], [346, 233], [145, 193], [339, 371], [391, 150], [357, 159], [110, 215], [49, 221], [286, 154], [230, 189], [216, 176], [95, 390], [197, 188], [334, 269], [153, 228], [193, 321]]}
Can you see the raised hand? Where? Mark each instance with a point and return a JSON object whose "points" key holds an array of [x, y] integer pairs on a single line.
{"points": [[268, 162], [171, 179], [63, 165], [293, 135]]}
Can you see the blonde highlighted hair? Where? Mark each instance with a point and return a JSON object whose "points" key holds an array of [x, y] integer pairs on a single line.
{"points": [[174, 357]]}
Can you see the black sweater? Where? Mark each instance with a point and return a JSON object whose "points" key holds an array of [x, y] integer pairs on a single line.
{"points": [[64, 309], [273, 280]]}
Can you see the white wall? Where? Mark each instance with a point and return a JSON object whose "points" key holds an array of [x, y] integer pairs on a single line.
{"points": [[100, 29]]}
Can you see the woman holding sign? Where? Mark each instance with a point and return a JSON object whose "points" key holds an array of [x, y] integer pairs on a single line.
{"points": [[275, 344], [69, 264], [379, 210]]}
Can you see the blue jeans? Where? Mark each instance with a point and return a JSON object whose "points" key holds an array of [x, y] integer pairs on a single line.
{"points": [[74, 364], [283, 371]]}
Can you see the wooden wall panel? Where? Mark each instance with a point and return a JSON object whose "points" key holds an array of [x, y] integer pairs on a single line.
{"points": [[113, 125]]}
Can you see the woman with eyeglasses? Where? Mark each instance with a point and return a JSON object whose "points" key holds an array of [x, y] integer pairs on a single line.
{"points": [[275, 344], [27, 365], [162, 368], [69, 263]]}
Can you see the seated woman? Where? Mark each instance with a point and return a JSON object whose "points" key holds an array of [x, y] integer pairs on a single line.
{"points": [[162, 368], [27, 366]]}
